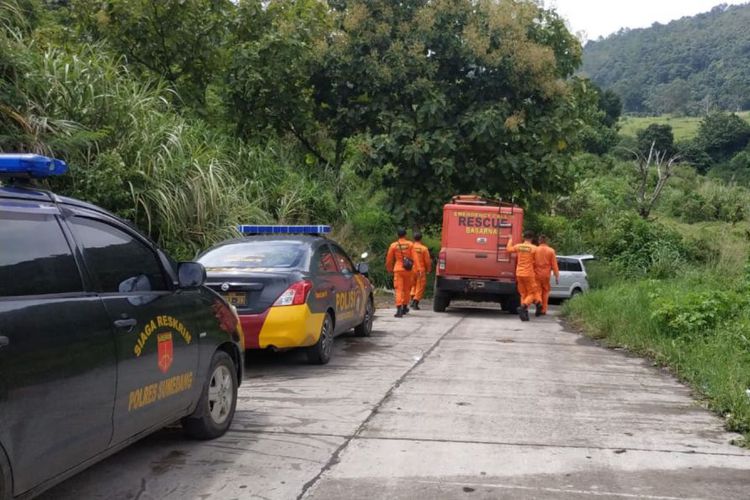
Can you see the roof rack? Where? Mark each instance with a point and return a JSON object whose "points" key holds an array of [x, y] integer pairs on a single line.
{"points": [[472, 199]]}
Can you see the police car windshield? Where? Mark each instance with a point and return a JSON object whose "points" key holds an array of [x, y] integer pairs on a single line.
{"points": [[255, 255]]}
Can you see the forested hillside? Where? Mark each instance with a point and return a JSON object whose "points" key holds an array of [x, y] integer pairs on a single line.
{"points": [[689, 66]]}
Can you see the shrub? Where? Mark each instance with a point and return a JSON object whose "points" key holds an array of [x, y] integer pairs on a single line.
{"points": [[693, 313], [637, 247]]}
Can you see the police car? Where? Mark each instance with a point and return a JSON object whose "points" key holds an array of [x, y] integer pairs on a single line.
{"points": [[292, 287], [103, 339]]}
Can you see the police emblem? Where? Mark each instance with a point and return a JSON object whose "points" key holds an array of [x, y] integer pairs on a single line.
{"points": [[165, 351]]}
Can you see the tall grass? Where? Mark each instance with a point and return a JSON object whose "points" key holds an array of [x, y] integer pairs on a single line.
{"points": [[178, 178]]}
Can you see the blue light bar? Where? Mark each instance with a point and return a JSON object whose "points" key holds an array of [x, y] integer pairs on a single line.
{"points": [[248, 229], [29, 165]]}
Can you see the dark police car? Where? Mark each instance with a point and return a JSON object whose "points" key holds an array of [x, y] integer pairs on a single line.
{"points": [[292, 288], [103, 339]]}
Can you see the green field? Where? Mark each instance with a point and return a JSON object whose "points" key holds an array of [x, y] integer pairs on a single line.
{"points": [[684, 127]]}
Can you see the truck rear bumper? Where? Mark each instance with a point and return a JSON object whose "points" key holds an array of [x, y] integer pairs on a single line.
{"points": [[475, 289]]}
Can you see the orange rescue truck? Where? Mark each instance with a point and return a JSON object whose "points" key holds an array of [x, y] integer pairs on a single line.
{"points": [[473, 263]]}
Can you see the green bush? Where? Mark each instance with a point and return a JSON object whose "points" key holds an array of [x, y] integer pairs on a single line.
{"points": [[693, 313], [636, 247]]}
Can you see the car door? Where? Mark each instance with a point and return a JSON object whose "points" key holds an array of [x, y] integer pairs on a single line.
{"points": [[155, 334], [562, 289], [349, 297], [577, 274], [326, 280], [57, 354]]}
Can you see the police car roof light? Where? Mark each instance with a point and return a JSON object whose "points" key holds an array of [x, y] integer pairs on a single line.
{"points": [[250, 229], [30, 165]]}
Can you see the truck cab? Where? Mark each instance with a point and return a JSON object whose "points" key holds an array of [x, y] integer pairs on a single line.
{"points": [[473, 263]]}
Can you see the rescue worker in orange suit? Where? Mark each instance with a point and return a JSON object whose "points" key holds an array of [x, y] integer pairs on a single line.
{"points": [[526, 274], [399, 253], [545, 263], [422, 266]]}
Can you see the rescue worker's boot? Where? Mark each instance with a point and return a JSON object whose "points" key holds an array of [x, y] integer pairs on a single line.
{"points": [[539, 311], [415, 305], [523, 313], [399, 312], [406, 309]]}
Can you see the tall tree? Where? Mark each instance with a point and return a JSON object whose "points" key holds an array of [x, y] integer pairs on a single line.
{"points": [[274, 49], [452, 96]]}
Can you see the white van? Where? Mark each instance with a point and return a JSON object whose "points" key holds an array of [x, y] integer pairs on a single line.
{"points": [[573, 278]]}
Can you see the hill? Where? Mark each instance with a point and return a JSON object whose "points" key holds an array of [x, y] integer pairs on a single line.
{"points": [[688, 66]]}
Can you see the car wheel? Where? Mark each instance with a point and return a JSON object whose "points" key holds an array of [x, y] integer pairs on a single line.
{"points": [[320, 353], [6, 480], [218, 401], [365, 328], [440, 302], [576, 291]]}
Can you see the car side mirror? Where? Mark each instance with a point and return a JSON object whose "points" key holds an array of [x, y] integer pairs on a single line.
{"points": [[363, 268], [190, 274]]}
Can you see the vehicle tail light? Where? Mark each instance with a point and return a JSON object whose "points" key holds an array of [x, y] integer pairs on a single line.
{"points": [[441, 261], [295, 295]]}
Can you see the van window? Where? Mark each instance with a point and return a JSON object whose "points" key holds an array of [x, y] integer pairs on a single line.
{"points": [[118, 261], [35, 257], [575, 266]]}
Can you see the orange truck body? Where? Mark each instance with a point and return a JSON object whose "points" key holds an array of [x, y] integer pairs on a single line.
{"points": [[473, 263]]}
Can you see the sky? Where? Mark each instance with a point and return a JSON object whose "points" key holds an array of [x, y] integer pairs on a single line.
{"points": [[602, 17]]}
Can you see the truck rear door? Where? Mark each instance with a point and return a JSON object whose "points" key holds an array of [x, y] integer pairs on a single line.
{"points": [[474, 242]]}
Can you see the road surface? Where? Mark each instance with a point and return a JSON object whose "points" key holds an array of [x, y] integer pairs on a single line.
{"points": [[468, 404]]}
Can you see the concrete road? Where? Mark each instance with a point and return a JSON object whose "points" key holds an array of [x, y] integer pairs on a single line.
{"points": [[467, 404]]}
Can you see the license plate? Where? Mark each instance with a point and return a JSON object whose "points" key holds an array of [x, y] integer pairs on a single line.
{"points": [[236, 299], [476, 284]]}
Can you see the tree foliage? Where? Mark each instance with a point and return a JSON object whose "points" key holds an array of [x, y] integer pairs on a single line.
{"points": [[658, 136], [452, 96], [180, 41], [721, 135]]}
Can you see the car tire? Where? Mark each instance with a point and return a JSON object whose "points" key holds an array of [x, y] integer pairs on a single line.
{"points": [[365, 328], [440, 302], [320, 353], [215, 410], [576, 291], [6, 479]]}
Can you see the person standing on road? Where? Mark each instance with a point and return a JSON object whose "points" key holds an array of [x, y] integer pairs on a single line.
{"points": [[545, 261], [422, 267], [526, 274], [400, 262]]}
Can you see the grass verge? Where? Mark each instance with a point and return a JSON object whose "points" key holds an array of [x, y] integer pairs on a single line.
{"points": [[678, 324]]}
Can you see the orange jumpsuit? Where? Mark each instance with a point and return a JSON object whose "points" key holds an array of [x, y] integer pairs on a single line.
{"points": [[422, 266], [525, 272], [393, 264], [544, 263]]}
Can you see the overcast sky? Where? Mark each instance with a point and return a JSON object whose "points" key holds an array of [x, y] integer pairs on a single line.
{"points": [[602, 17]]}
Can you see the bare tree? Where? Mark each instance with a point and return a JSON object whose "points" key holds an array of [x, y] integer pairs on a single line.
{"points": [[646, 197]]}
